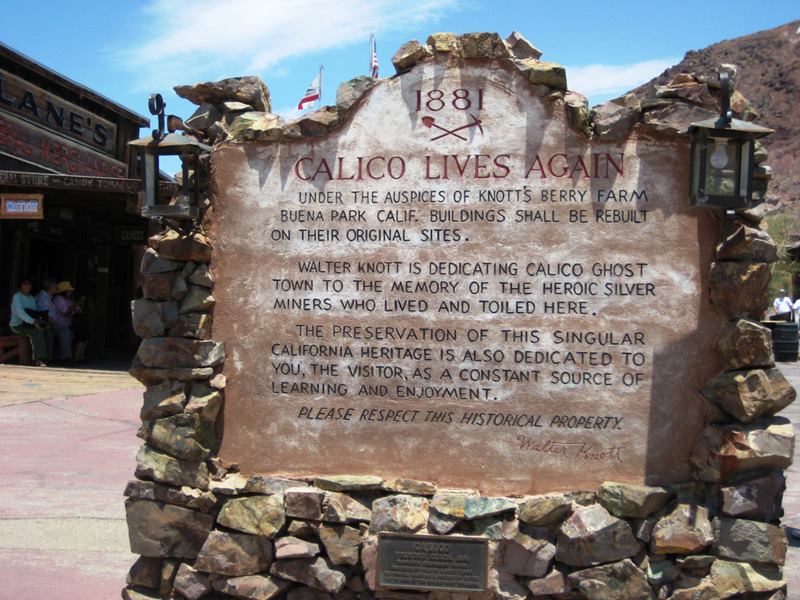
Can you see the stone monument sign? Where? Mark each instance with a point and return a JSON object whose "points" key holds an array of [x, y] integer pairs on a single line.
{"points": [[457, 335], [457, 285]]}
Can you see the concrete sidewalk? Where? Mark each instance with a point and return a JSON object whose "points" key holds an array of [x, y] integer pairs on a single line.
{"points": [[65, 458], [791, 498], [27, 384]]}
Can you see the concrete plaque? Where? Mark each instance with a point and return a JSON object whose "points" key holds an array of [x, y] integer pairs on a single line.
{"points": [[457, 286]]}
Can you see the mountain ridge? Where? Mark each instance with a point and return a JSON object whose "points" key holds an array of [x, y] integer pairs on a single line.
{"points": [[768, 75]]}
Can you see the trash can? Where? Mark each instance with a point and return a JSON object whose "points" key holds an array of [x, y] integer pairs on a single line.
{"points": [[785, 342]]}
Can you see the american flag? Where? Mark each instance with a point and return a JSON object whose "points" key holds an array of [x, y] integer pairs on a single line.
{"points": [[313, 93], [373, 57]]}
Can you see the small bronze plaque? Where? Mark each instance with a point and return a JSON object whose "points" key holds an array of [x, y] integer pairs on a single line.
{"points": [[427, 562]]}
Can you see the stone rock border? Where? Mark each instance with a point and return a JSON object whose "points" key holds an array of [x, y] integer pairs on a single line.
{"points": [[204, 530]]}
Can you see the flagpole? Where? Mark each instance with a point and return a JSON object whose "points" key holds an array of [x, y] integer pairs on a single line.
{"points": [[320, 84]]}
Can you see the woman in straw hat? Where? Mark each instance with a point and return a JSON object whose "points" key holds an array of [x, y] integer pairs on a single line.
{"points": [[63, 310]]}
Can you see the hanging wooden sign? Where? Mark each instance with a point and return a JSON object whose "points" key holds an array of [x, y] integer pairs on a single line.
{"points": [[21, 206]]}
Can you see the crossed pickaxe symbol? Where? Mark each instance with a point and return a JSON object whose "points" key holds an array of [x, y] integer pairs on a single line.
{"points": [[430, 122]]}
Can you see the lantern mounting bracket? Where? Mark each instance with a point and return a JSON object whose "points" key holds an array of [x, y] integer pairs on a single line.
{"points": [[725, 112], [156, 106]]}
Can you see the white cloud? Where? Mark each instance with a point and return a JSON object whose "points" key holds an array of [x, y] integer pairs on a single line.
{"points": [[612, 80], [213, 38]]}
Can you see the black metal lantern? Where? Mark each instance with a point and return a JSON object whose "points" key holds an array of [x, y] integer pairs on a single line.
{"points": [[186, 205], [722, 157]]}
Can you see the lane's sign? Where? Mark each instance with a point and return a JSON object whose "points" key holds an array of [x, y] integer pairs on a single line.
{"points": [[34, 144], [21, 98]]}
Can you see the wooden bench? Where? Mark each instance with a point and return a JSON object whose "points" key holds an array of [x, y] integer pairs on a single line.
{"points": [[15, 346]]}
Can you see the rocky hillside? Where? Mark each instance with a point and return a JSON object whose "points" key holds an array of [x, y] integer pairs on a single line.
{"points": [[769, 77]]}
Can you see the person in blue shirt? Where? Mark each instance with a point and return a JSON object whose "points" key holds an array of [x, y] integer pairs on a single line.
{"points": [[21, 323], [44, 299]]}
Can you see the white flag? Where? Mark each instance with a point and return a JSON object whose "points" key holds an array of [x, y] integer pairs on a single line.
{"points": [[373, 57], [313, 93]]}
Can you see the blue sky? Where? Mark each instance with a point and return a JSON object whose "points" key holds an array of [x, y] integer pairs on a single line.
{"points": [[128, 49]]}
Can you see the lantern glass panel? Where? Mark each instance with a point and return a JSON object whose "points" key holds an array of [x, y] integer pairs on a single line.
{"points": [[695, 183], [150, 178], [722, 164], [744, 169]]}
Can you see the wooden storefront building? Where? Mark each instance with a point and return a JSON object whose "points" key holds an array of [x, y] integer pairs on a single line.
{"points": [[68, 185]]}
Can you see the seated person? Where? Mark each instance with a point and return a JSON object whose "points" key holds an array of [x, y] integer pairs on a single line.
{"points": [[23, 323], [63, 310], [44, 299]]}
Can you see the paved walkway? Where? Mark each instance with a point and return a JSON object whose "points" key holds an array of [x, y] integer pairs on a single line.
{"points": [[791, 498], [27, 384], [67, 448]]}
